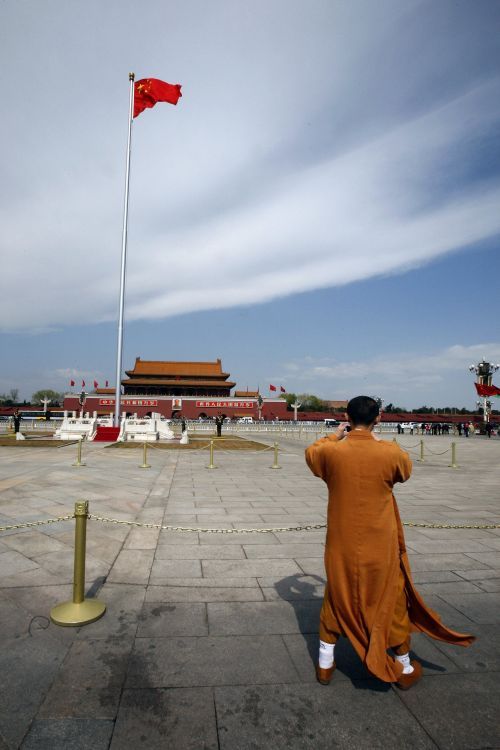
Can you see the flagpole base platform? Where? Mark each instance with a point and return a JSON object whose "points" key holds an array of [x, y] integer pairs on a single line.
{"points": [[69, 614]]}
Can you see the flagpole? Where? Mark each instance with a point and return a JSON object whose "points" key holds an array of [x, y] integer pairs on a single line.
{"points": [[119, 348]]}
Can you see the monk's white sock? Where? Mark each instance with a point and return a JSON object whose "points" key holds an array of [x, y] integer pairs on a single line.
{"points": [[326, 654], [404, 659]]}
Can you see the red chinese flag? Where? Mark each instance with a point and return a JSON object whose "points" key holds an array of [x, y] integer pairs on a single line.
{"points": [[272, 387], [149, 91], [106, 384], [282, 389], [83, 383], [96, 384], [72, 383], [487, 390]]}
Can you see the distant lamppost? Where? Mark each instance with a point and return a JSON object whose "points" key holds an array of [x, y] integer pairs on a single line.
{"points": [[81, 400], [45, 401], [295, 406], [484, 372]]}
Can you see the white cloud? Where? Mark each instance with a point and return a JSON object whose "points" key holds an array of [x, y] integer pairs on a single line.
{"points": [[278, 172], [402, 376]]}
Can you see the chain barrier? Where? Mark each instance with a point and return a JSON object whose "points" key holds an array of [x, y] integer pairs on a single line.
{"points": [[303, 527], [190, 450], [433, 453], [29, 524]]}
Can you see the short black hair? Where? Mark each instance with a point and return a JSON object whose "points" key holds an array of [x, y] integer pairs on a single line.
{"points": [[363, 410]]}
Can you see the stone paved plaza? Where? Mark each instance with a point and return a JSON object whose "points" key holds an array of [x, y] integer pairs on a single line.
{"points": [[209, 640]]}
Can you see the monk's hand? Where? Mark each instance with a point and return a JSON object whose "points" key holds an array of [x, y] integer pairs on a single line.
{"points": [[341, 430]]}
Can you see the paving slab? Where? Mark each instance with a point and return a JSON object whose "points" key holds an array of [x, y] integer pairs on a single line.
{"points": [[90, 681], [263, 617], [201, 552], [166, 619], [479, 607], [459, 712], [191, 662], [68, 734], [203, 594], [22, 693], [316, 718], [182, 719], [248, 568]]}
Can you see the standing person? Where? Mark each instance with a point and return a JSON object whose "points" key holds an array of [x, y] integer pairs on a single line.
{"points": [[370, 597], [183, 424], [218, 424], [488, 429], [17, 421], [466, 429], [459, 428]]}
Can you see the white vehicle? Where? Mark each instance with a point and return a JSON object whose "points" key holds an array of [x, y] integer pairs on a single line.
{"points": [[407, 426], [245, 420]]}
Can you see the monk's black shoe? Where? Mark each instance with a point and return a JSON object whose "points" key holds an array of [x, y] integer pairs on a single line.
{"points": [[324, 676], [406, 681]]}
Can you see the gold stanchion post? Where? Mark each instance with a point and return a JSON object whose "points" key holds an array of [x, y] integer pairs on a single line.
{"points": [[145, 464], [79, 461], [454, 464], [79, 611], [421, 451], [211, 465], [395, 440], [275, 464]]}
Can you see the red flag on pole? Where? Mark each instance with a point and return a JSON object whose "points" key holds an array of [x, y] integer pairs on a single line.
{"points": [[282, 389], [72, 383], [487, 390], [83, 383], [106, 384], [96, 384], [272, 387], [149, 91]]}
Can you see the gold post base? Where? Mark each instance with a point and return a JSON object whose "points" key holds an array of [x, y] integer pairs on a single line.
{"points": [[79, 463], [275, 467], [69, 614], [145, 466]]}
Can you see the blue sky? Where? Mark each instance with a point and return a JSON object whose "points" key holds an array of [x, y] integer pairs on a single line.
{"points": [[321, 210]]}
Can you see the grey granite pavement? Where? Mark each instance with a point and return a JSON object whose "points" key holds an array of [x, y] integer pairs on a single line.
{"points": [[209, 640]]}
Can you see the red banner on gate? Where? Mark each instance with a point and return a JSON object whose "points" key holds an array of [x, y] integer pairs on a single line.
{"points": [[225, 404], [129, 402]]}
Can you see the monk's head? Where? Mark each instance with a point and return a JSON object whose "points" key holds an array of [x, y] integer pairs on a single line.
{"points": [[363, 411]]}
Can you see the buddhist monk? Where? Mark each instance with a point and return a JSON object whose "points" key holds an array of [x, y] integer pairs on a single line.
{"points": [[370, 597]]}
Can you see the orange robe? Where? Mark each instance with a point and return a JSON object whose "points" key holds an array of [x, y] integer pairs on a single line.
{"points": [[365, 553]]}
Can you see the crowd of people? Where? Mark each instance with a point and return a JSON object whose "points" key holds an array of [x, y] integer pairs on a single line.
{"points": [[460, 429]]}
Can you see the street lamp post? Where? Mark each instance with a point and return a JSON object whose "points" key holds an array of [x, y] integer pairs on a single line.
{"points": [[81, 400], [295, 406], [484, 372]]}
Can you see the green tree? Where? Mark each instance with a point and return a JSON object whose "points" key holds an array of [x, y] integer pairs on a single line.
{"points": [[10, 398], [290, 399], [310, 402], [54, 396]]}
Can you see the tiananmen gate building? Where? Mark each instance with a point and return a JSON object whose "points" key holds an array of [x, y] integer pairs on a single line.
{"points": [[191, 389]]}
